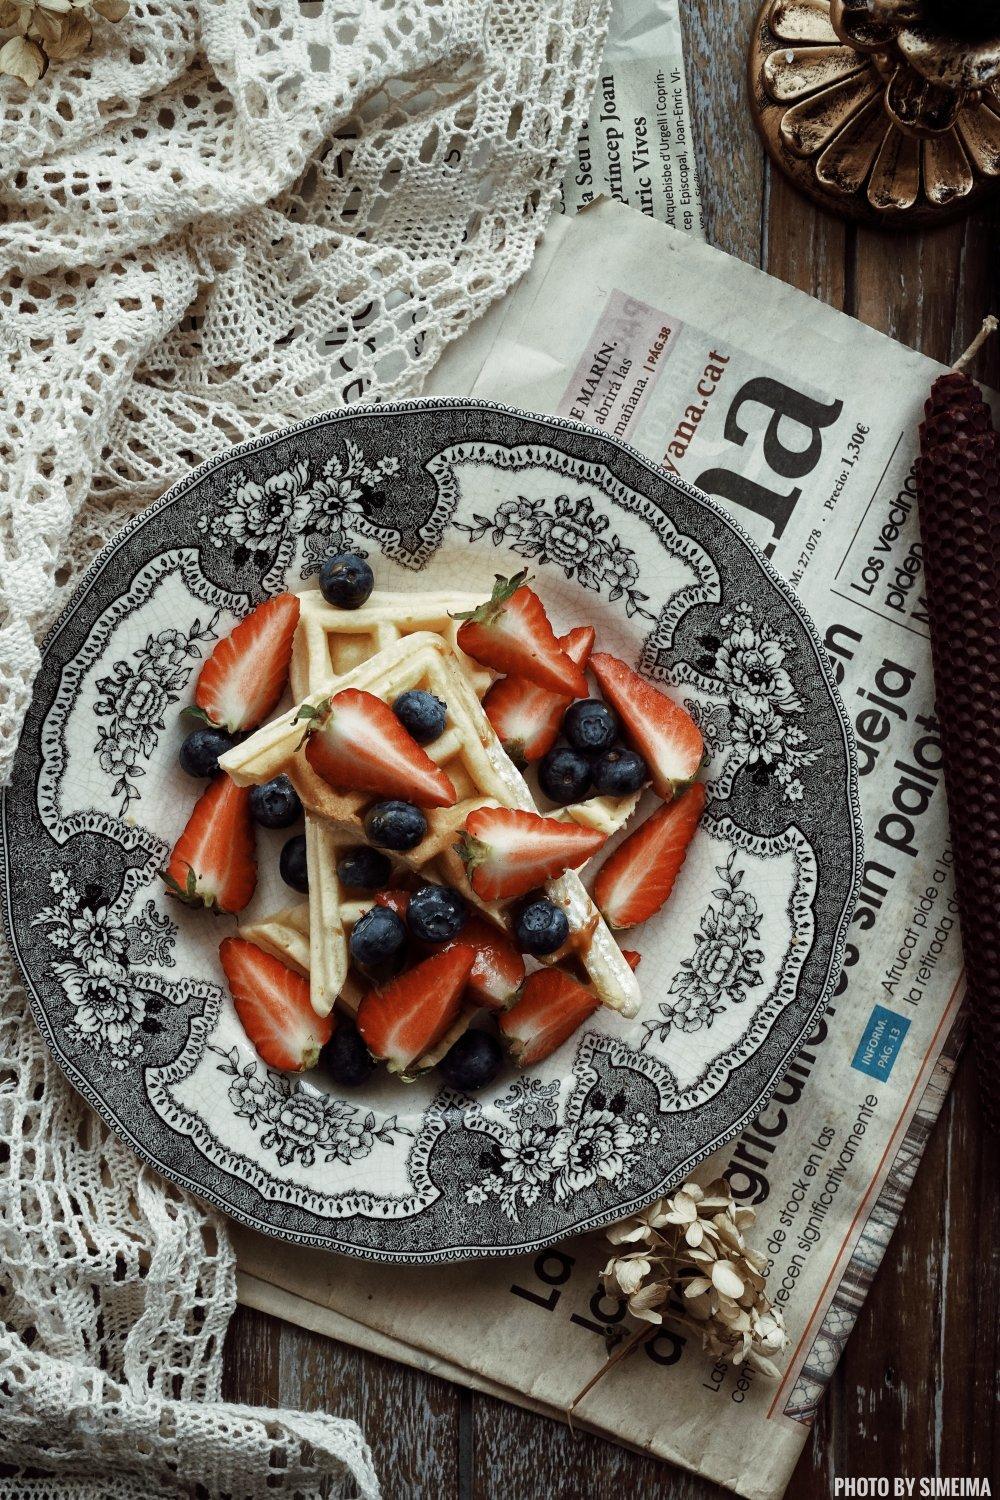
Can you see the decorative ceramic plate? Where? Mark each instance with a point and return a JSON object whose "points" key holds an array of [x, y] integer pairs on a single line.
{"points": [[126, 985]]}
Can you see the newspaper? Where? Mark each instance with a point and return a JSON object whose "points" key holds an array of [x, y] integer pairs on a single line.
{"points": [[636, 146], [804, 423]]}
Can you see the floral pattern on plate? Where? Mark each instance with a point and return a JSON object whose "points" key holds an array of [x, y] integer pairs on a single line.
{"points": [[758, 726], [533, 1154]]}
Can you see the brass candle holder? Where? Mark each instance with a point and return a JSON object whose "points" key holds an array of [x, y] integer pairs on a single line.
{"points": [[886, 111]]}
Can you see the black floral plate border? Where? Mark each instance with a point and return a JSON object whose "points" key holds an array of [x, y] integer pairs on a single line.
{"points": [[224, 1200]]}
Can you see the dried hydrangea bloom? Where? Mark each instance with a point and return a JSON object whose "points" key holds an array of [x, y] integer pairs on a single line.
{"points": [[690, 1249]]}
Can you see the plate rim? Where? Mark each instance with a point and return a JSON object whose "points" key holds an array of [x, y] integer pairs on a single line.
{"points": [[216, 1200]]}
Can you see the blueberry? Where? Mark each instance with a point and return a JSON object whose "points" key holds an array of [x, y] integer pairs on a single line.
{"points": [[473, 1061], [564, 775], [421, 714], [199, 754], [345, 1056], [436, 914], [541, 927], [377, 936], [619, 772], [590, 726], [292, 864], [364, 869], [275, 804], [346, 580], [395, 825]]}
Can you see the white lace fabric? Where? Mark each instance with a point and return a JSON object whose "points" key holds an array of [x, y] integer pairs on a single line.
{"points": [[224, 217]]}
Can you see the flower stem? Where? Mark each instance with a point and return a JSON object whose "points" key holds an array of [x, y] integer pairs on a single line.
{"points": [[638, 1337]]}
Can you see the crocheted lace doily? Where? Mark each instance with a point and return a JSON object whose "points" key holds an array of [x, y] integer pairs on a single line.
{"points": [[225, 216]]}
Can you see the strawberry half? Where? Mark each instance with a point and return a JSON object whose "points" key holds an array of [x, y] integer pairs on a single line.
{"points": [[245, 675], [214, 861], [272, 1001], [498, 968], [508, 852], [410, 1015], [357, 743], [637, 879], [665, 734], [396, 900], [550, 1008], [511, 633], [527, 718]]}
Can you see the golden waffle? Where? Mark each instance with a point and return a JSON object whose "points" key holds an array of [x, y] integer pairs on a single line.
{"points": [[482, 774], [330, 642]]}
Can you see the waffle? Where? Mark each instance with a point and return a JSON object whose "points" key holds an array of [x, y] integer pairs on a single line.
{"points": [[482, 774], [330, 642]]}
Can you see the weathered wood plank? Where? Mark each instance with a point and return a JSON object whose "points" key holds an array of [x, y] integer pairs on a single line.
{"points": [[411, 1420], [729, 155], [250, 1358], [526, 1457]]}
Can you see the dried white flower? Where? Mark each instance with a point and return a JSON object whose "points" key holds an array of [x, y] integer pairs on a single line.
{"points": [[688, 1263], [49, 30]]}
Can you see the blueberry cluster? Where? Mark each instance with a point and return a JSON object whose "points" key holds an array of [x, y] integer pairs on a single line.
{"points": [[593, 759]]}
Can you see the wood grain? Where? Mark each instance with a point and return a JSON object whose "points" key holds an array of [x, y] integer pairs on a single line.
{"points": [[916, 1391]]}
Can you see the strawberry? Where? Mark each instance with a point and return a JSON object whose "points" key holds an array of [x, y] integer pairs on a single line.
{"points": [[527, 718], [549, 1008], [632, 958], [664, 733], [214, 862], [245, 675], [357, 743], [411, 1014], [396, 900], [272, 1001], [511, 633], [508, 852], [637, 879], [498, 969]]}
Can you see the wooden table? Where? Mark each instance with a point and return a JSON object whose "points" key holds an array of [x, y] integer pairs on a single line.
{"points": [[916, 1391]]}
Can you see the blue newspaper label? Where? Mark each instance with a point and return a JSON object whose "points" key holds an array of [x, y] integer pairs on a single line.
{"points": [[879, 1046]]}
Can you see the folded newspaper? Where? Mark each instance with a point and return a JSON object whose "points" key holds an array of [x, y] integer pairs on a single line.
{"points": [[804, 423], [636, 145]]}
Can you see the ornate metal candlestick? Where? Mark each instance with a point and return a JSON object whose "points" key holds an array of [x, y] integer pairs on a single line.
{"points": [[886, 111]]}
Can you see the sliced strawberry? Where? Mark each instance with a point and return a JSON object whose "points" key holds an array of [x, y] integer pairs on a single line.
{"points": [[632, 958], [511, 633], [245, 675], [410, 1015], [357, 743], [637, 879], [214, 861], [498, 969], [578, 643], [527, 718], [664, 733], [396, 900], [508, 852], [272, 1001], [549, 1009]]}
